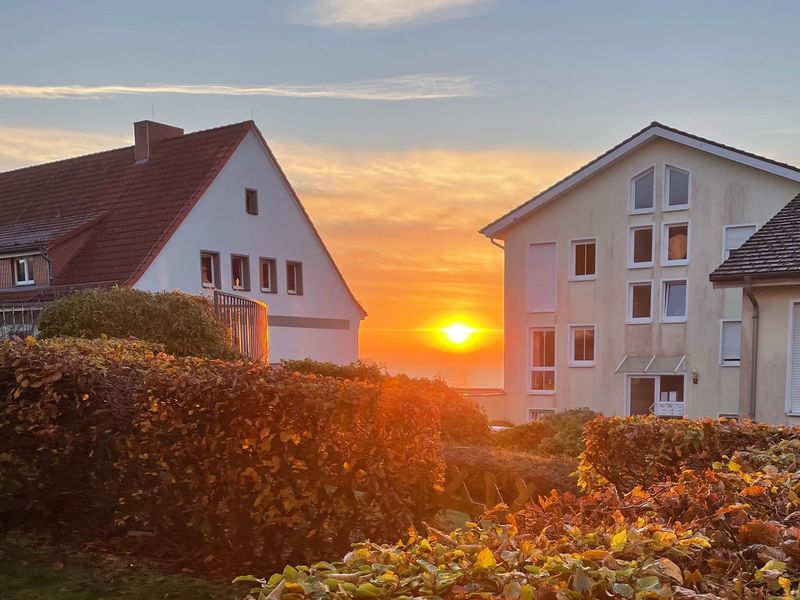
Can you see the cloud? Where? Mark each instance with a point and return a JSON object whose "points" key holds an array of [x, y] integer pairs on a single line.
{"points": [[21, 146], [406, 87], [384, 13]]}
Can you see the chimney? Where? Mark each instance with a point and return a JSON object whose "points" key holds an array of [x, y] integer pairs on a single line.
{"points": [[147, 133]]}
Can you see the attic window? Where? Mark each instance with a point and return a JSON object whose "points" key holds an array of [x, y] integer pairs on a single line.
{"points": [[294, 278], [23, 271], [251, 201]]}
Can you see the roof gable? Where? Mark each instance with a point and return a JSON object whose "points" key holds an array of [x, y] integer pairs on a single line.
{"points": [[652, 131]]}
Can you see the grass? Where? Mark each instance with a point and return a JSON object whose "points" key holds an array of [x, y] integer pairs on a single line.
{"points": [[33, 570]]}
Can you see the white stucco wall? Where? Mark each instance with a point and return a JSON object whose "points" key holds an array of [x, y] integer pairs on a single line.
{"points": [[722, 193], [219, 223]]}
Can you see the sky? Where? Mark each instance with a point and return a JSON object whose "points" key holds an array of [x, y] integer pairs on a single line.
{"points": [[405, 125]]}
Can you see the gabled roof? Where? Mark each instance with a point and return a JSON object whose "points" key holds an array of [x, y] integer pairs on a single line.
{"points": [[142, 204], [652, 131], [772, 252], [44, 233]]}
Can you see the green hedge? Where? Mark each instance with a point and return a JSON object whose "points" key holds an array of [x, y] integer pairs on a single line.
{"points": [[230, 460], [560, 433], [185, 324]]}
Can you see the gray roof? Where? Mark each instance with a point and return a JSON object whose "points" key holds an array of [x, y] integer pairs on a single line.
{"points": [[772, 252]]}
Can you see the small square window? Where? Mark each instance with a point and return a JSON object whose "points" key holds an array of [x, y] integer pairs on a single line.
{"points": [[240, 272], [294, 278], [673, 306], [676, 194], [675, 249], [643, 192], [23, 271], [730, 343], [640, 247], [733, 238], [209, 270], [581, 342], [640, 302], [584, 260], [251, 201], [268, 274]]}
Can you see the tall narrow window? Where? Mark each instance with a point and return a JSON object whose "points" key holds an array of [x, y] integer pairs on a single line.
{"points": [[640, 247], [643, 192], [23, 271], [268, 275], [542, 277], [543, 360], [209, 270], [730, 347], [583, 261], [581, 342], [640, 302], [676, 194], [675, 250], [734, 236], [793, 362], [251, 201], [673, 305], [294, 278], [240, 272]]}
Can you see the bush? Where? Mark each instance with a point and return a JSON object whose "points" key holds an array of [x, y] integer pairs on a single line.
{"points": [[186, 325], [558, 434], [228, 459], [357, 370]]}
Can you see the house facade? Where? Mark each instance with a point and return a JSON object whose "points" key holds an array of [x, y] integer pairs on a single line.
{"points": [[198, 212], [607, 299]]}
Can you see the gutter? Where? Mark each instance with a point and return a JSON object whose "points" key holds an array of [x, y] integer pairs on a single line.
{"points": [[496, 243], [748, 290]]}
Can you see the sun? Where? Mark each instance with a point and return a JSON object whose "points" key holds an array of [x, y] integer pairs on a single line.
{"points": [[458, 333]]}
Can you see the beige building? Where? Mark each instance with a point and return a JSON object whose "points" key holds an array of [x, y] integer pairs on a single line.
{"points": [[767, 269], [607, 298]]}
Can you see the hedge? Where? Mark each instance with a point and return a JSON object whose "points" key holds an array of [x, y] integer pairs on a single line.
{"points": [[560, 433], [236, 462], [185, 324]]}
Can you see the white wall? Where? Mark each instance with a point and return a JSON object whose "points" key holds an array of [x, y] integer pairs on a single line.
{"points": [[219, 223], [722, 193]]}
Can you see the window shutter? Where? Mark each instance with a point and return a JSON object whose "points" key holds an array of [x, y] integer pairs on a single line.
{"points": [[731, 340], [794, 364], [542, 277]]}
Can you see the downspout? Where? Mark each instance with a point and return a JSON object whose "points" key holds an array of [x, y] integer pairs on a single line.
{"points": [[499, 245], [748, 290]]}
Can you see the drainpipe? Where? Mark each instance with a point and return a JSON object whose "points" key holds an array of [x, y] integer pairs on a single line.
{"points": [[748, 290], [499, 245]]}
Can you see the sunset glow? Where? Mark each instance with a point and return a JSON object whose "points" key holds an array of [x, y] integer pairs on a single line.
{"points": [[458, 333]]}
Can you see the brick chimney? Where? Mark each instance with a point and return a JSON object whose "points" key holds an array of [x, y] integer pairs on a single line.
{"points": [[147, 133]]}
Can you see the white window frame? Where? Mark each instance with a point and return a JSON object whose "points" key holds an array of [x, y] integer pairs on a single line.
{"points": [[663, 303], [722, 361], [531, 369], [572, 255], [273, 287], [299, 283], [657, 390], [788, 387], [629, 318], [245, 284], [541, 412], [725, 228], [571, 344], [216, 276], [665, 262], [641, 265], [27, 261], [632, 210], [665, 206]]}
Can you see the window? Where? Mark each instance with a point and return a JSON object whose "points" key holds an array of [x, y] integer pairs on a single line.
{"points": [[294, 278], [673, 306], [676, 189], [793, 361], [543, 361], [583, 261], [733, 236], [251, 201], [23, 271], [661, 395], [268, 275], [542, 277], [643, 192], [537, 414], [640, 302], [581, 346], [675, 246], [240, 272], [209, 270], [730, 346], [640, 247]]}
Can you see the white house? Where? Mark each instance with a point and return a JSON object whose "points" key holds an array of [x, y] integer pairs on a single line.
{"points": [[607, 298], [196, 212]]}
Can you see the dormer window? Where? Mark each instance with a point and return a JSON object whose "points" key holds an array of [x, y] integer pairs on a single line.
{"points": [[251, 201], [23, 271]]}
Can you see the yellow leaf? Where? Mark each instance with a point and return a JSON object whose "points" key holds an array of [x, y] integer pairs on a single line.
{"points": [[619, 540], [485, 559]]}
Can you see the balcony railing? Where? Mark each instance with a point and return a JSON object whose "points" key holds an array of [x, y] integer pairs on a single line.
{"points": [[247, 320]]}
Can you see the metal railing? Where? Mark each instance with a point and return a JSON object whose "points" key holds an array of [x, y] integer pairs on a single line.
{"points": [[19, 320], [247, 320]]}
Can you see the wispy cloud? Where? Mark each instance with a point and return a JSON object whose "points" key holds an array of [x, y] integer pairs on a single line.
{"points": [[384, 13], [21, 146], [407, 87]]}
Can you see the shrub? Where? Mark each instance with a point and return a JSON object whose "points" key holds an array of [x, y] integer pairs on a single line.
{"points": [[558, 434], [356, 370], [186, 325], [232, 460]]}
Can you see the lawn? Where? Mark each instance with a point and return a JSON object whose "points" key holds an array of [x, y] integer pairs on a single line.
{"points": [[33, 570]]}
